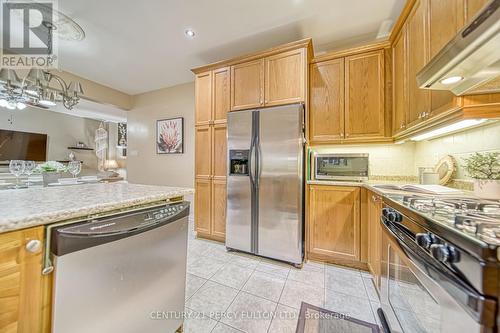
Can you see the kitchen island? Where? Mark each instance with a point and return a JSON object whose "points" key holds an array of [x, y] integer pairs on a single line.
{"points": [[26, 208], [26, 219]]}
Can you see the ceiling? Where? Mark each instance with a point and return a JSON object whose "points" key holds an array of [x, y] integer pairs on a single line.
{"points": [[136, 46]]}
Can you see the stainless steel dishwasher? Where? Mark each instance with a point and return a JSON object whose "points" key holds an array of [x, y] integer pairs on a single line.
{"points": [[124, 273]]}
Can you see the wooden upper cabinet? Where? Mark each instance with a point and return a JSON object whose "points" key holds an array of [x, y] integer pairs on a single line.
{"points": [[202, 209], [21, 300], [399, 79], [219, 143], [473, 7], [418, 55], [203, 98], [446, 18], [220, 94], [247, 85], [203, 151], [285, 75], [334, 222], [364, 96], [326, 105]]}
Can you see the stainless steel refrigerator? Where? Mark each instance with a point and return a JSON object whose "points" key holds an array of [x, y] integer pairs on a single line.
{"points": [[265, 183]]}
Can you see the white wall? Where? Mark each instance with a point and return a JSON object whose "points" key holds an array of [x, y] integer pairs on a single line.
{"points": [[62, 131], [143, 164]]}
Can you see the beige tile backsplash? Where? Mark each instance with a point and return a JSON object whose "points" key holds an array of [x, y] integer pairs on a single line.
{"points": [[404, 159]]}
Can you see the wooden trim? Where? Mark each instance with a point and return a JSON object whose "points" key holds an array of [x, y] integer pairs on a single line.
{"points": [[401, 20], [352, 51], [303, 43], [363, 257], [337, 261], [210, 237]]}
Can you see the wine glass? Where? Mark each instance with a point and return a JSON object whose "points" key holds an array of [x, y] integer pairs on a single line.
{"points": [[16, 167], [29, 168], [74, 167]]}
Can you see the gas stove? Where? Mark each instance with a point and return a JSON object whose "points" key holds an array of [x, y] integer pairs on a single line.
{"points": [[470, 215], [468, 222]]}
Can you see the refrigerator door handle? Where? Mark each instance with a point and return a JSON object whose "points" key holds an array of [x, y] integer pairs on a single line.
{"points": [[259, 154], [251, 162]]}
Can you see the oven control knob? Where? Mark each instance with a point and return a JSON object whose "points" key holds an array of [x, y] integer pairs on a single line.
{"points": [[425, 240], [445, 253], [394, 216]]}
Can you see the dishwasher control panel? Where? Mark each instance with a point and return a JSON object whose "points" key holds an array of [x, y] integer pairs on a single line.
{"points": [[166, 212]]}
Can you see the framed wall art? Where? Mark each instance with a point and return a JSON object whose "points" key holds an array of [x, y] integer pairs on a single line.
{"points": [[170, 136]]}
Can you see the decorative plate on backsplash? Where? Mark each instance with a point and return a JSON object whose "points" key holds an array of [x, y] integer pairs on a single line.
{"points": [[445, 168]]}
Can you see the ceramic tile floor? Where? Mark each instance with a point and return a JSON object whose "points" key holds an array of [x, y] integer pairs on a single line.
{"points": [[235, 292]]}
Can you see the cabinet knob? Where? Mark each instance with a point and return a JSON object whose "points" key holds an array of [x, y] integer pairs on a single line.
{"points": [[346, 135], [420, 115], [341, 135], [33, 246], [375, 198]]}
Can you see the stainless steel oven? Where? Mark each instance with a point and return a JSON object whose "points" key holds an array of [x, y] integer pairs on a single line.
{"points": [[420, 289], [341, 166]]}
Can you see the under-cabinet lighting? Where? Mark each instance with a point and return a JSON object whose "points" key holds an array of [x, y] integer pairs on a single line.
{"points": [[449, 129], [452, 79]]}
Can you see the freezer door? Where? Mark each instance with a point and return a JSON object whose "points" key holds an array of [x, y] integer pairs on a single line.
{"points": [[239, 185], [280, 183]]}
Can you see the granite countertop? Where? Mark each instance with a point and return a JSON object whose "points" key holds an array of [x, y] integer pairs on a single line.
{"points": [[39, 206], [372, 186]]}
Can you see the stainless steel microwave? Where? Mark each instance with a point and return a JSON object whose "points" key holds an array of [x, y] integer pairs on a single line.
{"points": [[344, 166]]}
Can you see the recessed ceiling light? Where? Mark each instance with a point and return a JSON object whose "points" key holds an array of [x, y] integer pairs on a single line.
{"points": [[189, 33], [452, 79]]}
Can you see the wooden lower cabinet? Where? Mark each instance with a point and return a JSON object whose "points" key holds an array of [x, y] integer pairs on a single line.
{"points": [[21, 282], [210, 208], [219, 198], [374, 235], [334, 223], [202, 202]]}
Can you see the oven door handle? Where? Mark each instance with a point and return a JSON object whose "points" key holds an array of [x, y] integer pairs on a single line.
{"points": [[482, 309]]}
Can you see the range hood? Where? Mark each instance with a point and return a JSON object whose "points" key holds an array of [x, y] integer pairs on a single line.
{"points": [[470, 63]]}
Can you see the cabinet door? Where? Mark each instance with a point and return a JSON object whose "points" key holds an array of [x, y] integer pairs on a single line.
{"points": [[364, 96], [285, 75], [203, 98], [20, 282], [446, 17], [334, 222], [400, 98], [247, 85], [326, 108], [219, 209], [418, 55], [219, 142], [202, 201], [203, 151], [220, 94], [473, 7], [374, 236]]}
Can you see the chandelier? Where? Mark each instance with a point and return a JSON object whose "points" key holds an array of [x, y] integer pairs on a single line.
{"points": [[36, 90]]}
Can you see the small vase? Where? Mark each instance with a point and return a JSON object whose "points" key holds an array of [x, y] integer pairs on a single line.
{"points": [[50, 177], [487, 188]]}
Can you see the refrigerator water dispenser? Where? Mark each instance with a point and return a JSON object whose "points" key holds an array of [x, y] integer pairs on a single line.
{"points": [[238, 162]]}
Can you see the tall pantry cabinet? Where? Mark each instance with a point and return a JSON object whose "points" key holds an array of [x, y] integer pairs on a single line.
{"points": [[212, 99]]}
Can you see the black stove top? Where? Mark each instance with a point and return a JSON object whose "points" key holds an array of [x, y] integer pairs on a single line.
{"points": [[470, 221]]}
